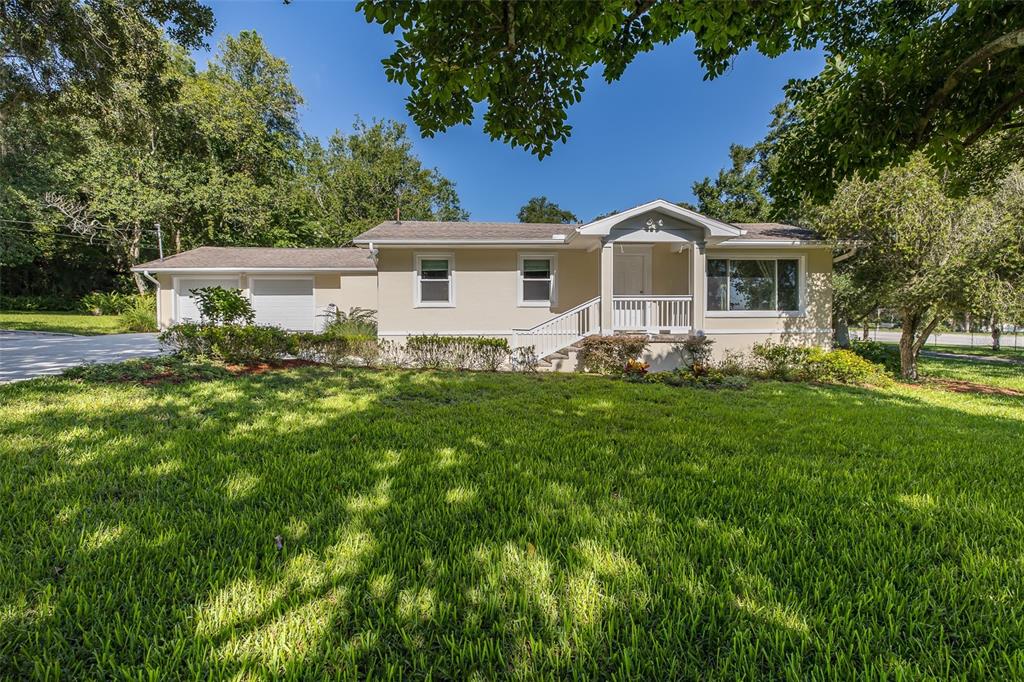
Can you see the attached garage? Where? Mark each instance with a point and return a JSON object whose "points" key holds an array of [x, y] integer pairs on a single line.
{"points": [[286, 303], [287, 287]]}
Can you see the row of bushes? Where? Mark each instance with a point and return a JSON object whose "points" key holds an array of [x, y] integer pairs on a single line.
{"points": [[620, 356], [253, 344], [29, 303]]}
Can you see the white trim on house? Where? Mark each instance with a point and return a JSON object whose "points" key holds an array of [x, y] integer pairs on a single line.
{"points": [[768, 243], [255, 271], [765, 330], [715, 228], [417, 290], [801, 311], [377, 242], [553, 290]]}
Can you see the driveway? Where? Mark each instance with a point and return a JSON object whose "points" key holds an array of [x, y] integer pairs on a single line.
{"points": [[26, 355]]}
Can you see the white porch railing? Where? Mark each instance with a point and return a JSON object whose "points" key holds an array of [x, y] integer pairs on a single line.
{"points": [[652, 313], [562, 330]]}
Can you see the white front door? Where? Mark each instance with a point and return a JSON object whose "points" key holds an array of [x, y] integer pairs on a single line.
{"points": [[629, 274]]}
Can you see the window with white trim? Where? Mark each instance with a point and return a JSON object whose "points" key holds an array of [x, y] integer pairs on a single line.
{"points": [[536, 280], [434, 281], [747, 284]]}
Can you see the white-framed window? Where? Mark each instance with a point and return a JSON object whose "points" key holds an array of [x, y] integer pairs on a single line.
{"points": [[754, 286], [435, 283], [537, 279]]}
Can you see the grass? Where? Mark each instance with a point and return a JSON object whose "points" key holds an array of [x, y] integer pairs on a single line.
{"points": [[483, 526], [1004, 352], [61, 322]]}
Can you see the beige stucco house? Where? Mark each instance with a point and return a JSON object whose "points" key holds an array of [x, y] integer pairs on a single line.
{"points": [[656, 269]]}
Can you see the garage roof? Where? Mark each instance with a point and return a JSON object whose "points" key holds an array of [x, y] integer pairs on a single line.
{"points": [[229, 258]]}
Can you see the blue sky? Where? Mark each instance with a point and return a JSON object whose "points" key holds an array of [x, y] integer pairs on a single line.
{"points": [[650, 134]]}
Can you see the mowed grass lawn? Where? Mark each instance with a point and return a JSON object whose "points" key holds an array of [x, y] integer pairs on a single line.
{"points": [[63, 323], [487, 526]]}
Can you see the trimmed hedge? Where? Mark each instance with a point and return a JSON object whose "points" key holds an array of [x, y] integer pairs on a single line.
{"points": [[336, 350], [609, 354], [235, 344], [457, 352], [799, 363]]}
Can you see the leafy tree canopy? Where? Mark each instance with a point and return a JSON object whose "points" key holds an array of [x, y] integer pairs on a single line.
{"points": [[47, 46], [900, 76], [541, 210], [736, 195]]}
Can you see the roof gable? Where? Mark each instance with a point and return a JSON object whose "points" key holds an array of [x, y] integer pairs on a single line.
{"points": [[712, 227]]}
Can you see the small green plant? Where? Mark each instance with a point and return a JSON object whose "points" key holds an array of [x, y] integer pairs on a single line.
{"points": [[356, 322], [524, 359], [218, 305], [186, 339], [695, 354], [635, 369], [609, 354], [780, 361], [105, 303], [140, 314]]}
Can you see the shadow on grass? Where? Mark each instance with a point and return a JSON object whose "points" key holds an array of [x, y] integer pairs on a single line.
{"points": [[461, 524]]}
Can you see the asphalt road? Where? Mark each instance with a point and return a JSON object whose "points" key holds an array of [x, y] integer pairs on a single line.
{"points": [[25, 355]]}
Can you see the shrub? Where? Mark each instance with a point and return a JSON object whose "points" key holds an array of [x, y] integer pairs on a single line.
{"points": [[356, 322], [843, 367], [105, 303], [248, 344], [232, 343], [780, 361], [30, 303], [524, 359], [609, 354], [169, 369], [879, 353], [186, 339], [734, 363], [635, 370], [456, 352], [336, 350], [390, 355], [711, 379], [140, 315], [218, 305], [695, 354]]}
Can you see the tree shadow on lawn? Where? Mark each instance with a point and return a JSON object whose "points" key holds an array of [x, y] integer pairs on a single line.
{"points": [[452, 524]]}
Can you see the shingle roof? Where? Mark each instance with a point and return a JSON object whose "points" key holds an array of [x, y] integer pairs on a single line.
{"points": [[409, 230], [777, 231], [265, 258]]}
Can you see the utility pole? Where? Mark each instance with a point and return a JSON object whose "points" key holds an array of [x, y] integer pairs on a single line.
{"points": [[159, 240]]}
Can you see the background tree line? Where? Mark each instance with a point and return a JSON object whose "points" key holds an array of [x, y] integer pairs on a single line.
{"points": [[215, 157]]}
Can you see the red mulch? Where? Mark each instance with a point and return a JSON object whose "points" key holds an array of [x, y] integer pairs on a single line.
{"points": [[264, 367], [957, 386]]}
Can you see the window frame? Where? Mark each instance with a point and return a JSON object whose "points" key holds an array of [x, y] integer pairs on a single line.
{"points": [[417, 293], [801, 287], [520, 279]]}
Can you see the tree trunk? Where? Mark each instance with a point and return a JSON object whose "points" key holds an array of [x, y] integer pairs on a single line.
{"points": [[133, 257], [997, 333], [908, 355], [866, 334], [841, 332]]}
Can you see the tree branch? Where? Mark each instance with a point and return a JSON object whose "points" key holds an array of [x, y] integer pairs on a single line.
{"points": [[997, 114], [1003, 43]]}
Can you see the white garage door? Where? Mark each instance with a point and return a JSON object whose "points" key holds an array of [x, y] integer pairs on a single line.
{"points": [[286, 303], [185, 306]]}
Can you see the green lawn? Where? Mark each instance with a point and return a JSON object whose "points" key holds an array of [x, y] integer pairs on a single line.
{"points": [[475, 525], [62, 322]]}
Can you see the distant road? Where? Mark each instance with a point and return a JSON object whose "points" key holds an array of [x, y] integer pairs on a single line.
{"points": [[947, 339]]}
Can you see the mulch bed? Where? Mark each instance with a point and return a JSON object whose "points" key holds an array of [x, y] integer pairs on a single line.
{"points": [[263, 367], [958, 386]]}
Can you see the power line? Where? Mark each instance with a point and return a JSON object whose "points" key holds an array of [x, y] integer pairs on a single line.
{"points": [[55, 226], [64, 235]]}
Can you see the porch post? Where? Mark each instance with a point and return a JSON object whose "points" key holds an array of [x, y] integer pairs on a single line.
{"points": [[607, 288], [698, 263]]}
